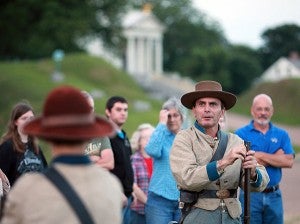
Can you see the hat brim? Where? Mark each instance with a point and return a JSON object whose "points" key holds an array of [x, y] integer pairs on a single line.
{"points": [[99, 128], [228, 99]]}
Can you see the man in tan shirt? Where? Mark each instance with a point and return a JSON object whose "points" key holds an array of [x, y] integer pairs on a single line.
{"points": [[214, 181]]}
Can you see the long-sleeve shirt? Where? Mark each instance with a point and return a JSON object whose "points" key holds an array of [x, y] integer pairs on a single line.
{"points": [[190, 162], [162, 181], [141, 178]]}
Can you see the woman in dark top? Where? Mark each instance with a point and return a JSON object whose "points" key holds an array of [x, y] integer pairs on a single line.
{"points": [[19, 153]]}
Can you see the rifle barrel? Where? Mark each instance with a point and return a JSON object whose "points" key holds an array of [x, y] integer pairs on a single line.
{"points": [[247, 189]]}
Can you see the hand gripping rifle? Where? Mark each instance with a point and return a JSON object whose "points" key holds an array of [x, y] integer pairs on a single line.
{"points": [[247, 189]]}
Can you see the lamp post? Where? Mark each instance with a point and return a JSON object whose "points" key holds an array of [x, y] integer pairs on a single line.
{"points": [[57, 57]]}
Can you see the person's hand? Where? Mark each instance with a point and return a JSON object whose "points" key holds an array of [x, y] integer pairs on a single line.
{"points": [[237, 152], [250, 162], [163, 116], [261, 155], [94, 158], [124, 200], [134, 199]]}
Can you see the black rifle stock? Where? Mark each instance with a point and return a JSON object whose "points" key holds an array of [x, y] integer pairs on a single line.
{"points": [[247, 189]]}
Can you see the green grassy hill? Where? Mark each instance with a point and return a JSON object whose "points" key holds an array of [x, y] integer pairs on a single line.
{"points": [[31, 80], [285, 95]]}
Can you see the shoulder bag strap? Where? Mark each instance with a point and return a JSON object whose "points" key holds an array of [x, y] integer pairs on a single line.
{"points": [[221, 147], [72, 197]]}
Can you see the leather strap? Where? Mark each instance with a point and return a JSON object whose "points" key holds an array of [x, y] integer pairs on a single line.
{"points": [[71, 196], [221, 147], [232, 193]]}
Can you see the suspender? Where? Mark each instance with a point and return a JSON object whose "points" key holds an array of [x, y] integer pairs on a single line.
{"points": [[71, 196], [221, 147]]}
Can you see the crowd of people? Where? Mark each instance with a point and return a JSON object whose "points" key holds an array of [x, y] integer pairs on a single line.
{"points": [[161, 175]]}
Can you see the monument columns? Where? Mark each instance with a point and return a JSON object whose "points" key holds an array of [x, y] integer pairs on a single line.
{"points": [[158, 56], [144, 51], [130, 54]]}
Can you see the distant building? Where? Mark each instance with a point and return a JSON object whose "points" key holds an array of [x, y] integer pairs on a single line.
{"points": [[283, 68], [144, 50], [144, 55]]}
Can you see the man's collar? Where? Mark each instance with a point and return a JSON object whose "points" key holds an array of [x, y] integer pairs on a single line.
{"points": [[72, 159], [200, 128], [253, 127]]}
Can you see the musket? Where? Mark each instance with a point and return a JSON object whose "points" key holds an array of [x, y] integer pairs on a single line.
{"points": [[247, 189]]}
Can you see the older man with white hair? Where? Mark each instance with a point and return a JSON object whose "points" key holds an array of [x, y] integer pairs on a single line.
{"points": [[274, 150]]}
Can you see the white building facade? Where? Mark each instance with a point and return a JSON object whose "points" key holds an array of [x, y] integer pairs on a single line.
{"points": [[144, 50], [283, 68]]}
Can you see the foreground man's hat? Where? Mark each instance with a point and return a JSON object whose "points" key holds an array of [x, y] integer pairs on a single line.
{"points": [[208, 89], [67, 115]]}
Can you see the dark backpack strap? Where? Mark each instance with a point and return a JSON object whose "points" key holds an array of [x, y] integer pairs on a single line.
{"points": [[72, 197], [221, 147]]}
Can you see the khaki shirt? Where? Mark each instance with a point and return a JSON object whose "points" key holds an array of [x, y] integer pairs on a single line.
{"points": [[191, 152], [34, 199]]}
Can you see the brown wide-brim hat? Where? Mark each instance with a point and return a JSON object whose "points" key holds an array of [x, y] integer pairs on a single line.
{"points": [[68, 116], [208, 89]]}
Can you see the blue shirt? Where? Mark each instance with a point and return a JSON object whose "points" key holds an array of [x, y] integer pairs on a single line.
{"points": [[159, 146], [275, 138]]}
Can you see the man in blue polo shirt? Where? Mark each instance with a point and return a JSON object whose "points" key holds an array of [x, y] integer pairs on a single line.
{"points": [[274, 150]]}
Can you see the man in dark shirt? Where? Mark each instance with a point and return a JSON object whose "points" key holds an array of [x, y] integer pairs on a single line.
{"points": [[117, 112]]}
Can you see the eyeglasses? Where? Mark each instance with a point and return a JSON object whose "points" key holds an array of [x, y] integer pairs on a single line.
{"points": [[173, 115]]}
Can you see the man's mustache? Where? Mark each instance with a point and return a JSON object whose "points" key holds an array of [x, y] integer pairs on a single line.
{"points": [[263, 116]]}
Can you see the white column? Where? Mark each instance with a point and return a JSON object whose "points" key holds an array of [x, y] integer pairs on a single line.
{"points": [[144, 67], [149, 68], [158, 55], [130, 55], [140, 56]]}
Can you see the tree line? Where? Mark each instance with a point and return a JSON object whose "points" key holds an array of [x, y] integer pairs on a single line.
{"points": [[194, 44]]}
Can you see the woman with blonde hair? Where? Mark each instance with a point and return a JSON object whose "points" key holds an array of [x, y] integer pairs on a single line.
{"points": [[142, 170]]}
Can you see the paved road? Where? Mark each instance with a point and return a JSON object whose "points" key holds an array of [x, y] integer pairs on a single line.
{"points": [[290, 183]]}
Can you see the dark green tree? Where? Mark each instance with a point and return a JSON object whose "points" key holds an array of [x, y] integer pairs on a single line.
{"points": [[212, 63], [279, 41], [244, 67], [33, 29]]}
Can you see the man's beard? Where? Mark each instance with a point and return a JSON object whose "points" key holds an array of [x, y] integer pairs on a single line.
{"points": [[262, 122]]}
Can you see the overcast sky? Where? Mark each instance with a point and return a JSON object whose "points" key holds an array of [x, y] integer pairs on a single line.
{"points": [[243, 21]]}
